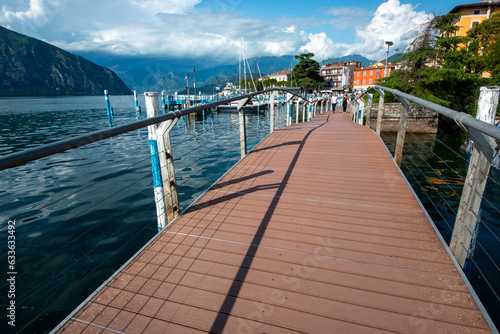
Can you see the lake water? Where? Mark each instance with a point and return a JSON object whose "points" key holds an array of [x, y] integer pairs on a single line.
{"points": [[81, 214], [436, 169]]}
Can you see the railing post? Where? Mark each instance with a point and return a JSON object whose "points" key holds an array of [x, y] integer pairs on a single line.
{"points": [[297, 111], [169, 182], [361, 110], [352, 112], [380, 113], [400, 143], [153, 109], [463, 239], [369, 110], [271, 111], [289, 108], [243, 127], [304, 108]]}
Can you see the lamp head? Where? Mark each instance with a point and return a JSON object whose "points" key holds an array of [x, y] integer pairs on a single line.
{"points": [[389, 43]]}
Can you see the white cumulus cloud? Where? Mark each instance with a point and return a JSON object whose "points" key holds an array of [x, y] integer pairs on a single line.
{"points": [[193, 28], [31, 16], [392, 21], [319, 44], [166, 6]]}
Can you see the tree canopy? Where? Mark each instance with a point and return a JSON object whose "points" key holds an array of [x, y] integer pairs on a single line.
{"points": [[306, 72], [485, 46], [447, 69]]}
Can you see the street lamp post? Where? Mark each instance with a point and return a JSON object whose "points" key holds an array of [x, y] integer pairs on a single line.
{"points": [[389, 43]]}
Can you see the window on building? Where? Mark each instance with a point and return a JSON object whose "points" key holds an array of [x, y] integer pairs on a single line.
{"points": [[378, 72], [364, 81], [358, 74], [474, 23], [371, 73], [364, 73], [476, 12], [370, 81]]}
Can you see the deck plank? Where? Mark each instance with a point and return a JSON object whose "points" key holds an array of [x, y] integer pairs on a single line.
{"points": [[315, 231]]}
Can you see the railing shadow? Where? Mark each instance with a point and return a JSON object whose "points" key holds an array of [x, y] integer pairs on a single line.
{"points": [[225, 310]]}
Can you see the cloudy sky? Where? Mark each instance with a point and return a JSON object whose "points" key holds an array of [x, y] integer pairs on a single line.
{"points": [[213, 29]]}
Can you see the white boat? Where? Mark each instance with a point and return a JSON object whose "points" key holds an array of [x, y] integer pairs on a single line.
{"points": [[253, 105]]}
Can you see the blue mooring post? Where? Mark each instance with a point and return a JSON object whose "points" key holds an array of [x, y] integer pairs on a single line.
{"points": [[137, 107], [168, 102], [164, 106], [108, 108]]}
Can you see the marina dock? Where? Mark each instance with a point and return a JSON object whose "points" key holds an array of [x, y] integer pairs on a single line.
{"points": [[314, 231]]}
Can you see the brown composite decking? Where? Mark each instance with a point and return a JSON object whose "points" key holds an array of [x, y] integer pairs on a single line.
{"points": [[315, 231]]}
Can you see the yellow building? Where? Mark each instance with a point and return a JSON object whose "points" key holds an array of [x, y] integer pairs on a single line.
{"points": [[474, 13]]}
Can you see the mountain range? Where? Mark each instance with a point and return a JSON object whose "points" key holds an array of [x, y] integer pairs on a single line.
{"points": [[153, 74], [30, 67]]}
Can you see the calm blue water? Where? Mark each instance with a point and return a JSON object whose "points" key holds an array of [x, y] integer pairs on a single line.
{"points": [[81, 214]]}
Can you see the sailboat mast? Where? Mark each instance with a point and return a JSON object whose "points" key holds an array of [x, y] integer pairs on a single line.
{"points": [[255, 81], [239, 68], [244, 65]]}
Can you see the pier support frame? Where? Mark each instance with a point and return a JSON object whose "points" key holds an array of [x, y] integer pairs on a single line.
{"points": [[361, 111], [272, 111], [304, 108], [369, 109], [380, 113], [297, 111], [165, 185], [243, 126], [400, 142], [463, 239]]}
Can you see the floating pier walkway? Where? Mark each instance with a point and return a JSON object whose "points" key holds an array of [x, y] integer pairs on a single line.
{"points": [[315, 231]]}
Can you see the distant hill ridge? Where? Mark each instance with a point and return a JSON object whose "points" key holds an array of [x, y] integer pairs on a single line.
{"points": [[30, 67]]}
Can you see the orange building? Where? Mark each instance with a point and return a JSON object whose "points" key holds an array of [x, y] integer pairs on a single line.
{"points": [[473, 13], [367, 76]]}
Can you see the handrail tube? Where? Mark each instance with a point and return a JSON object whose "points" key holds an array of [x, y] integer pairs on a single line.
{"points": [[470, 121], [19, 158]]}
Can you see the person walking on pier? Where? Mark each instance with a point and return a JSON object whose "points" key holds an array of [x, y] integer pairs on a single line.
{"points": [[334, 102], [344, 102]]}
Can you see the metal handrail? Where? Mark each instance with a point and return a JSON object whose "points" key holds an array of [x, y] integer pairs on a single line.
{"points": [[19, 158], [460, 118]]}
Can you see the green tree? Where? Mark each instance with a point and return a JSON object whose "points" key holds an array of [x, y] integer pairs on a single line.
{"points": [[283, 84], [270, 82], [306, 72], [485, 46], [440, 68]]}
